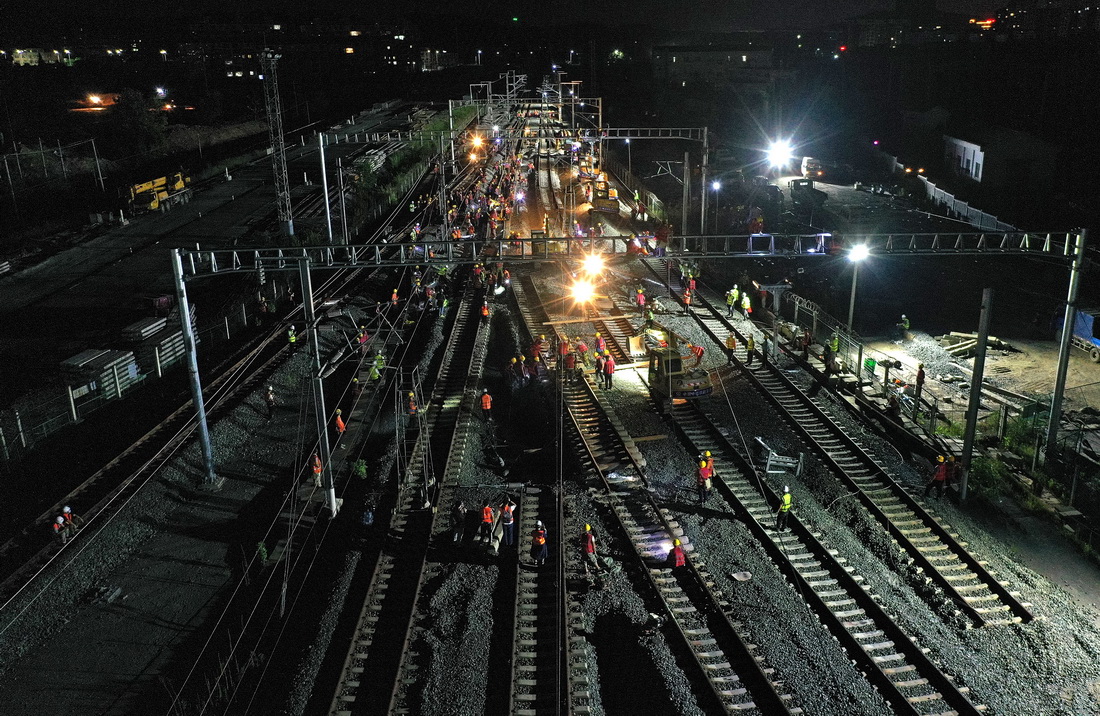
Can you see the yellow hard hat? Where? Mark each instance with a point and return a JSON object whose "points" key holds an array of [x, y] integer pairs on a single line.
{"points": [[597, 334], [523, 357], [513, 360], [542, 338], [939, 459], [411, 395], [588, 528], [702, 463], [707, 453], [676, 542], [338, 412]]}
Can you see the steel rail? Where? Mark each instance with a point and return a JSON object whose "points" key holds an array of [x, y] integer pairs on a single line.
{"points": [[938, 552]]}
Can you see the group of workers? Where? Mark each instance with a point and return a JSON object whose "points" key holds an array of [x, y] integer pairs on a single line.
{"points": [[67, 524]]}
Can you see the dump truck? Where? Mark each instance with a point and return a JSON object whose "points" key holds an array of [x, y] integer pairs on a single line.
{"points": [[160, 193], [1082, 336], [669, 379], [804, 194]]}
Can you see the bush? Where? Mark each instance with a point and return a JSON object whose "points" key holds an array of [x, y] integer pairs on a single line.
{"points": [[986, 477]]}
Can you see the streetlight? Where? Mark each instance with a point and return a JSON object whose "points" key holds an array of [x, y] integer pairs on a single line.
{"points": [[629, 165], [479, 57], [716, 185], [856, 255]]}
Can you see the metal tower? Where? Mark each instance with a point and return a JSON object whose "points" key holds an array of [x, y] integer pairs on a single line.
{"points": [[268, 60]]}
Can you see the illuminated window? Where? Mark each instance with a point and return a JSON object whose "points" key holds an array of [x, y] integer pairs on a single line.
{"points": [[744, 58], [349, 50]]}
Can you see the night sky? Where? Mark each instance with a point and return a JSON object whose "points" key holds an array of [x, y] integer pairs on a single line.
{"points": [[712, 15]]}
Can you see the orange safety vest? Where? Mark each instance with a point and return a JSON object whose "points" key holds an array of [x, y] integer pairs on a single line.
{"points": [[486, 401], [506, 514], [316, 465], [540, 537], [412, 406], [484, 310], [486, 514], [340, 425]]}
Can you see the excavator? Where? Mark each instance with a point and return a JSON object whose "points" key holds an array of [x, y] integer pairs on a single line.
{"points": [[669, 379]]}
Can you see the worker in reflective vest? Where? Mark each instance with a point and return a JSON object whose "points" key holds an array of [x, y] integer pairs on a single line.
{"points": [[697, 351], [590, 550], [601, 343], [539, 547], [939, 478], [703, 480], [731, 300], [676, 555], [316, 470], [509, 521], [486, 528], [341, 426], [784, 510], [599, 368], [485, 310], [608, 370], [291, 335], [750, 347], [60, 530], [731, 346], [582, 351], [486, 405], [746, 305], [413, 409]]}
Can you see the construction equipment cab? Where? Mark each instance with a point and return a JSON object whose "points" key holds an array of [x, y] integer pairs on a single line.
{"points": [[812, 168], [669, 380]]}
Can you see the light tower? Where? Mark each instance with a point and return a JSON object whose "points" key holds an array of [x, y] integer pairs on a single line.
{"points": [[268, 60]]}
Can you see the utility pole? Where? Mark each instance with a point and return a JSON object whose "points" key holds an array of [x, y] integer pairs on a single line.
{"points": [[210, 477], [324, 184], [976, 389], [1064, 347], [268, 61], [318, 385]]}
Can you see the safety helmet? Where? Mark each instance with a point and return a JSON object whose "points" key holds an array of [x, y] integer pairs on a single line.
{"points": [[707, 453], [339, 412], [903, 315], [597, 334], [676, 542], [270, 388], [292, 328], [786, 489], [536, 359], [538, 524], [354, 380], [702, 463], [735, 286], [485, 390], [951, 458], [411, 394], [513, 360], [60, 520], [542, 338], [522, 357], [939, 459], [67, 510], [588, 528]]}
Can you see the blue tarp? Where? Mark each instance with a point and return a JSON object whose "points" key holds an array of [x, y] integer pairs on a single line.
{"points": [[1082, 327]]}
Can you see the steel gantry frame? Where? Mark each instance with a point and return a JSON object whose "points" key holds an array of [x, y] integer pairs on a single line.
{"points": [[268, 61], [190, 264]]}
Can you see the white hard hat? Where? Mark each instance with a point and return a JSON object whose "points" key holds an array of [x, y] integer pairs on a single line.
{"points": [[60, 520], [66, 509], [539, 523], [786, 489]]}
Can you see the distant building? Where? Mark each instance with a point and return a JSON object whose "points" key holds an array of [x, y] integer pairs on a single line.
{"points": [[742, 63], [999, 158], [1034, 19]]}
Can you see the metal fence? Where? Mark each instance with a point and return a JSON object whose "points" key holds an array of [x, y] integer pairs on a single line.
{"points": [[946, 201], [36, 416]]}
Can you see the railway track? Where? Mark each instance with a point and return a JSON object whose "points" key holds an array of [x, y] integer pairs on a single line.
{"points": [[931, 545], [375, 659], [717, 660], [892, 662]]}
